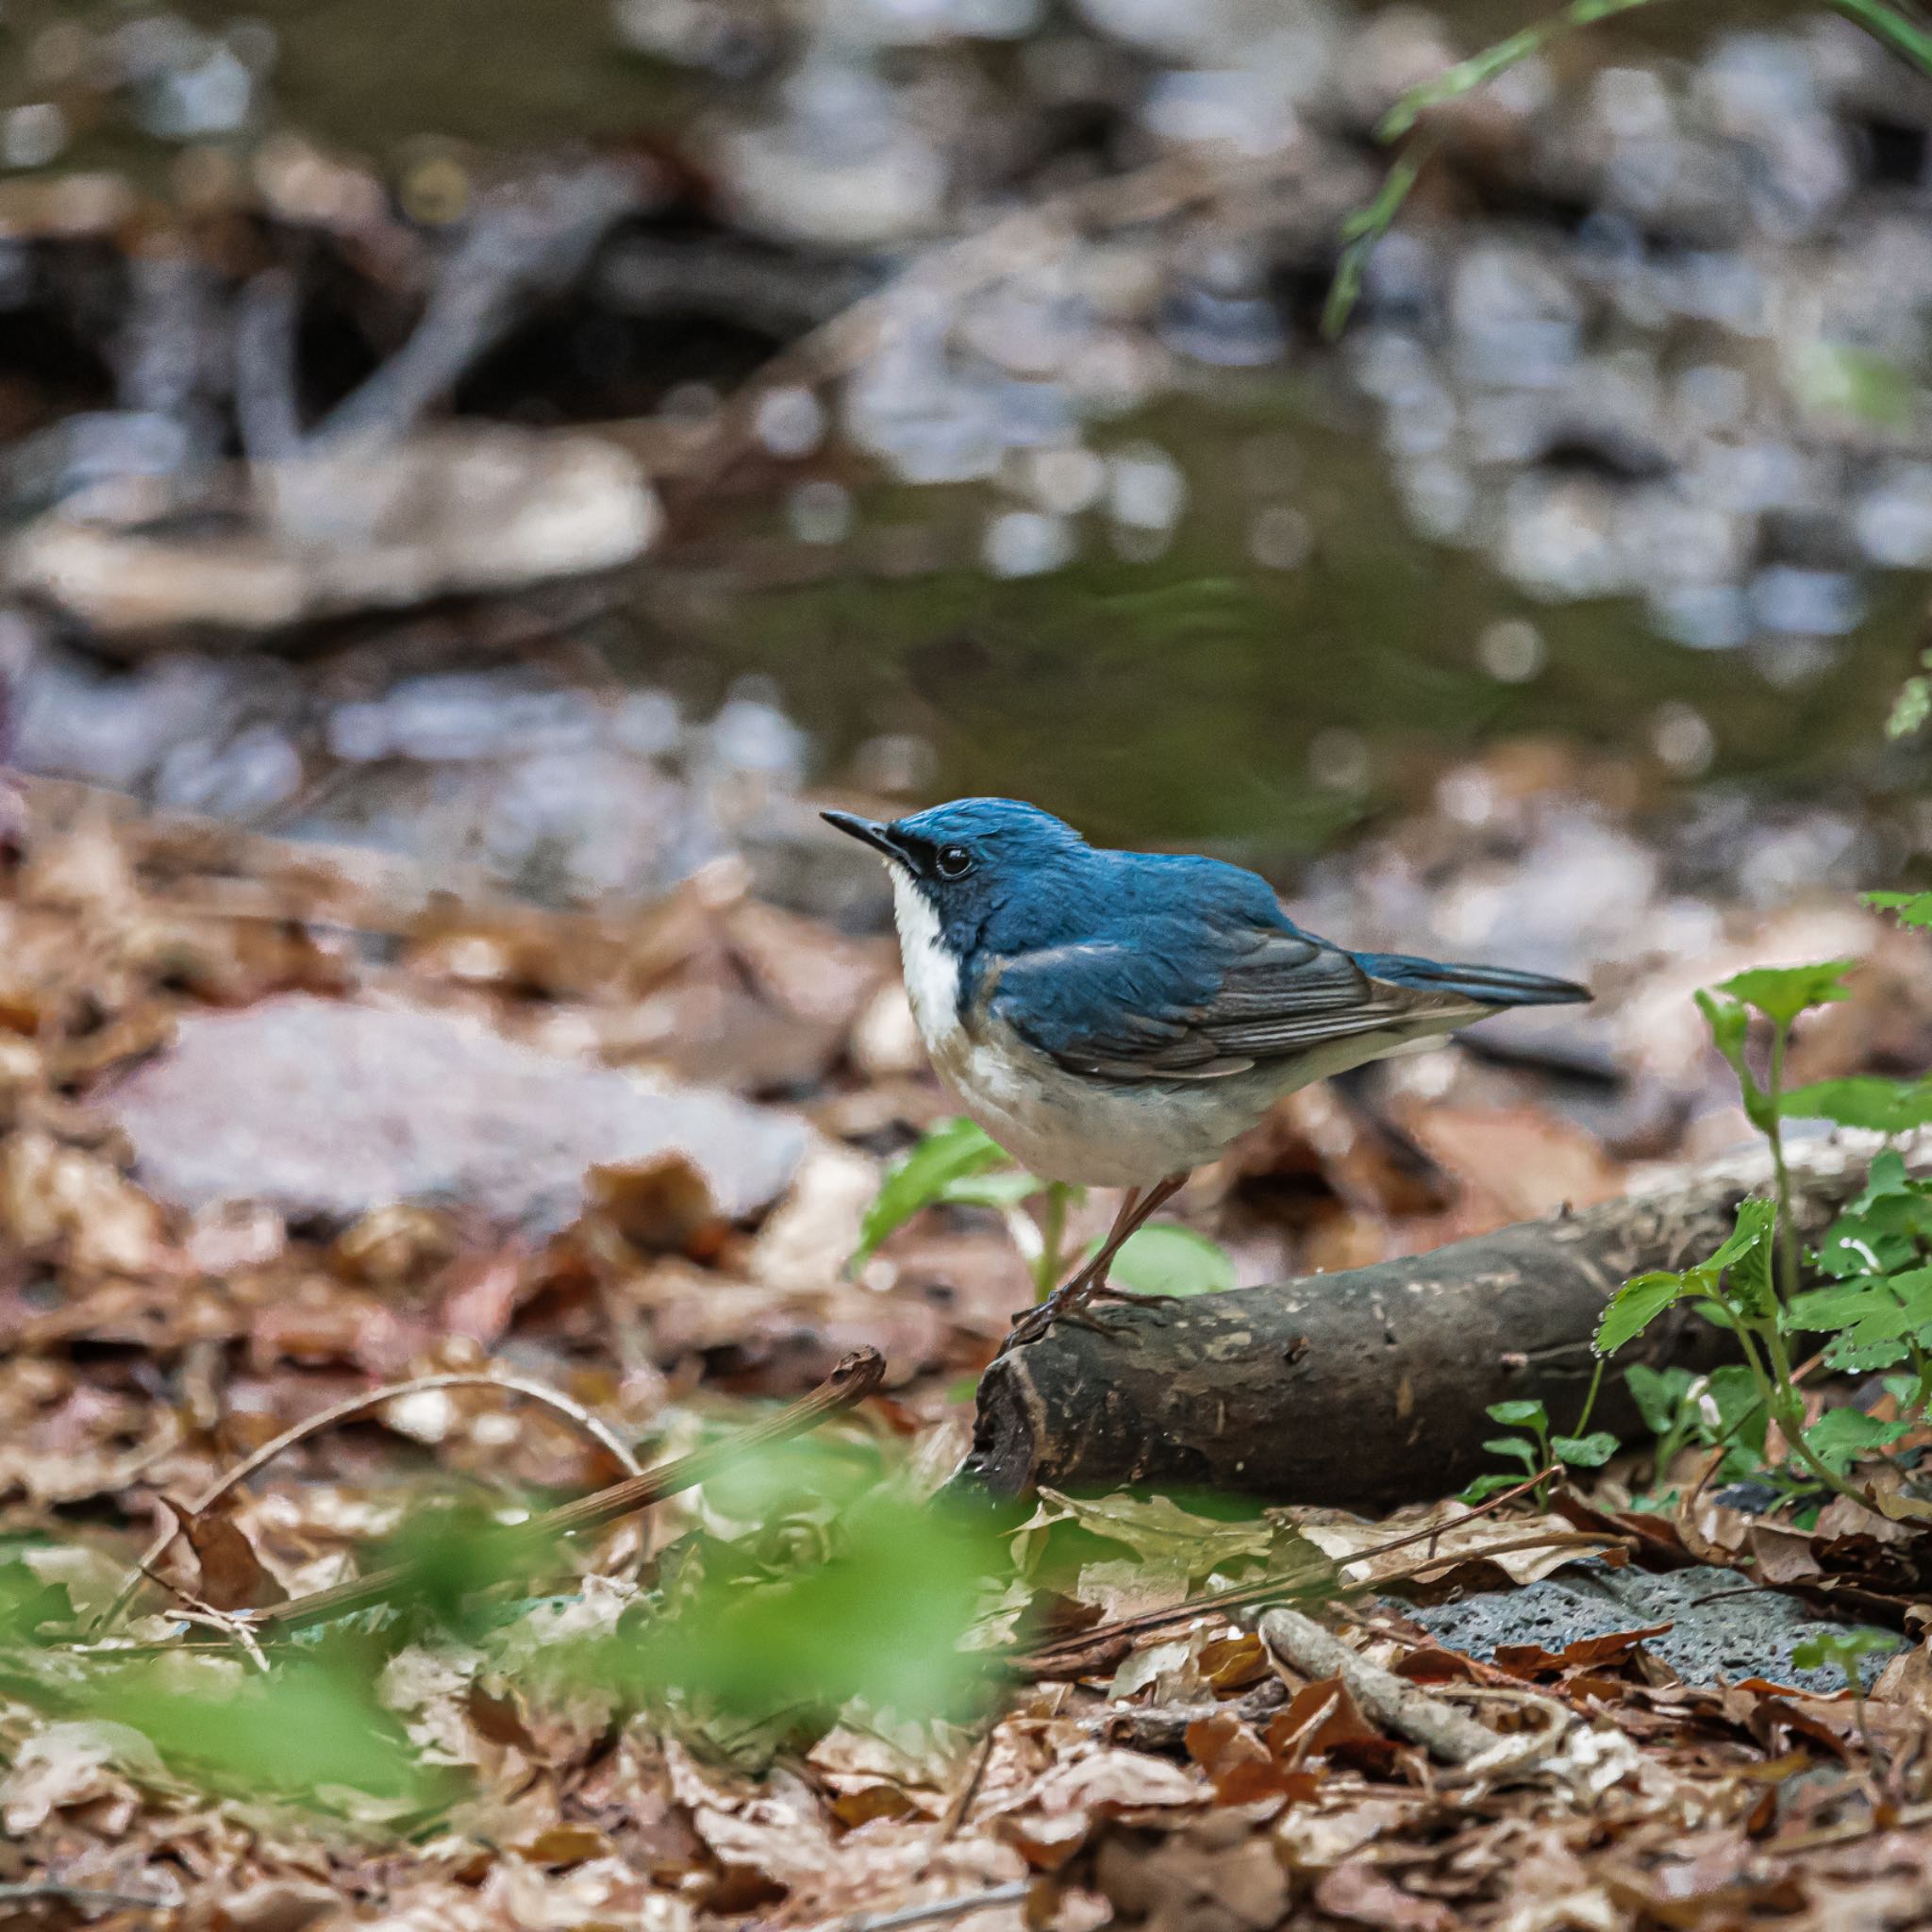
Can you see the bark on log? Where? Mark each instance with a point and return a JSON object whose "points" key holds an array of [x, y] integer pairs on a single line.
{"points": [[1368, 1386]]}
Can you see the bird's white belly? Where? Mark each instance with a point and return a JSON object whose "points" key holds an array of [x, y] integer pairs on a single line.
{"points": [[1064, 1126], [1098, 1133]]}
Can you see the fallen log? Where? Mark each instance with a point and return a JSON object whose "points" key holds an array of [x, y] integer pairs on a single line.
{"points": [[1368, 1386]]}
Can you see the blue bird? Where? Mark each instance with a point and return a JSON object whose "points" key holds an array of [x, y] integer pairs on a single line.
{"points": [[1115, 1019]]}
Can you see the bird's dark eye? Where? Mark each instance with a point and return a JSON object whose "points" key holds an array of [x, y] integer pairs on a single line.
{"points": [[953, 861]]}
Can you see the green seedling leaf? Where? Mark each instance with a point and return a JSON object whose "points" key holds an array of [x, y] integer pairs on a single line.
{"points": [[1635, 1306], [1892, 27], [1518, 1448], [1362, 229], [1729, 1024], [1840, 1436], [1730, 1030], [1172, 1260], [1842, 1303], [1745, 1259], [1752, 1226], [1874, 1317], [1782, 993], [948, 1154], [28, 1608], [1913, 909], [1886, 1177], [1486, 1486], [1659, 1394], [298, 1731], [1519, 1415], [1734, 1413], [1585, 1452], [1859, 1244], [1842, 1648], [1911, 709], [874, 1609], [1860, 1357], [1863, 1100], [995, 1190], [1842, 380]]}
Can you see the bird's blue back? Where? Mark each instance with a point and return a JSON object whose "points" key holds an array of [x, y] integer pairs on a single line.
{"points": [[1126, 959], [1159, 924]]}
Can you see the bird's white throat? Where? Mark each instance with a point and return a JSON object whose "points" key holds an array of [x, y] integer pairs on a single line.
{"points": [[932, 973]]}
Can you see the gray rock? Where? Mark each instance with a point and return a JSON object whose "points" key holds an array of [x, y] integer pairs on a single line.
{"points": [[1720, 1626], [326, 1108]]}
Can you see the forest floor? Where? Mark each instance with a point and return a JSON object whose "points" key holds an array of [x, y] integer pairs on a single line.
{"points": [[285, 1129]]}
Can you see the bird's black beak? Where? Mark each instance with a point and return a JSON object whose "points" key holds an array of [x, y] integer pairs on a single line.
{"points": [[869, 830]]}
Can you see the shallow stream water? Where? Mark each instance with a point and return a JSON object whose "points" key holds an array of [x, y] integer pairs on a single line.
{"points": [[1222, 617]]}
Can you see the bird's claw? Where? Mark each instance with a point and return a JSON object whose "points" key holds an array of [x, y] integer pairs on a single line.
{"points": [[1031, 1323]]}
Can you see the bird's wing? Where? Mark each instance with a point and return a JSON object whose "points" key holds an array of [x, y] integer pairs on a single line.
{"points": [[1182, 1001]]}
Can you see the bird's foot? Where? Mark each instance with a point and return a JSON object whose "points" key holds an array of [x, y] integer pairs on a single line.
{"points": [[1029, 1324], [1073, 1302]]}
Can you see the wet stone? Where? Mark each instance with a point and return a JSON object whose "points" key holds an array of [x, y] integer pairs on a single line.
{"points": [[1722, 1628]]}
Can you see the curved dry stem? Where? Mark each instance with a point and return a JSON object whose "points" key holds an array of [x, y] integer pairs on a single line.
{"points": [[574, 1413]]}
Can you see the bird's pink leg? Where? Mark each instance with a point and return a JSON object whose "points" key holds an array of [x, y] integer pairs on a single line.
{"points": [[1080, 1289]]}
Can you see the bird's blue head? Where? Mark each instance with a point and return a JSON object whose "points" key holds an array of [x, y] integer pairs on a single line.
{"points": [[976, 863]]}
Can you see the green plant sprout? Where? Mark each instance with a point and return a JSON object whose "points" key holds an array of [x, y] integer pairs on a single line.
{"points": [[1721, 1410], [1876, 1307], [1846, 1650], [1536, 1449], [957, 1164], [1912, 706], [1874, 1263]]}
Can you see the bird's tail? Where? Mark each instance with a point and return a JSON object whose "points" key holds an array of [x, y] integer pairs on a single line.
{"points": [[1490, 985]]}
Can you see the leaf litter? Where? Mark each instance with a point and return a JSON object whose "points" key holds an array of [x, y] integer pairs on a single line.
{"points": [[376, 1666]]}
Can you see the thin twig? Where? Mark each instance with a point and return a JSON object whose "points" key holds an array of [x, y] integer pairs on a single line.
{"points": [[347, 1410], [25, 1892], [934, 1910], [955, 1813], [849, 1383], [196, 1610], [1316, 1654]]}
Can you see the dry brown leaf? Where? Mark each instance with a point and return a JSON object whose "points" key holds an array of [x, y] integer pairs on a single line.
{"points": [[232, 1575], [68, 1764], [1232, 1663], [564, 1844], [1311, 1840], [1212, 1873], [662, 1205], [1906, 1679], [1528, 1162], [1116, 1780], [1783, 1555], [1357, 1892], [813, 1232], [1461, 1537], [1585, 1652], [1319, 1717], [397, 1242], [59, 1197]]}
